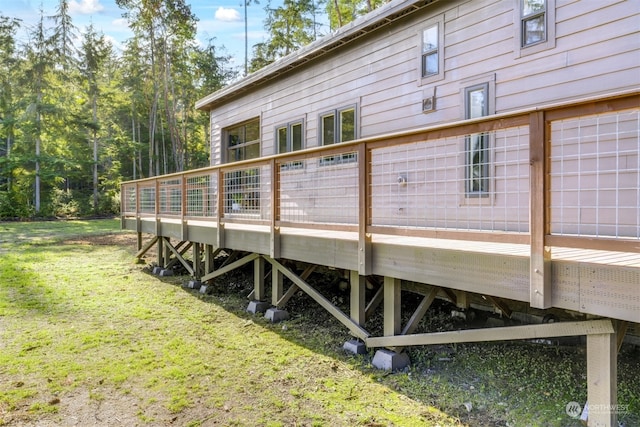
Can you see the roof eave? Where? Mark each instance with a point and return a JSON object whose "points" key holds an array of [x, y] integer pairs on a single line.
{"points": [[372, 21]]}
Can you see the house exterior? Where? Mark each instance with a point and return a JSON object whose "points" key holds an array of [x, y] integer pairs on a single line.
{"points": [[448, 148], [411, 65]]}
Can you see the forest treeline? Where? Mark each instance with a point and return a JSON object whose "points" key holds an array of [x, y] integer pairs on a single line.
{"points": [[78, 116]]}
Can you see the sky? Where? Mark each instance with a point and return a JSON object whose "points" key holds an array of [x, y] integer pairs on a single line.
{"points": [[222, 19]]}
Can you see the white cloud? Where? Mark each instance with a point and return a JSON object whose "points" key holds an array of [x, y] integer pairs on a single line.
{"points": [[227, 15], [85, 7], [120, 23]]}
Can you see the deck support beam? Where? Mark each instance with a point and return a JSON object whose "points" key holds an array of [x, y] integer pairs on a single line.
{"points": [[601, 354], [602, 384], [392, 306], [258, 279], [357, 300], [277, 288], [197, 260], [161, 262]]}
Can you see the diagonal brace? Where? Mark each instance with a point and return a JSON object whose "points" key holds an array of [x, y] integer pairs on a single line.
{"points": [[178, 256], [353, 327], [229, 267]]}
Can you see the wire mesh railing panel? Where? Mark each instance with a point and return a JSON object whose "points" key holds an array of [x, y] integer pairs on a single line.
{"points": [[475, 182], [247, 193], [320, 190], [147, 195], [202, 195], [129, 199], [595, 176], [170, 197]]}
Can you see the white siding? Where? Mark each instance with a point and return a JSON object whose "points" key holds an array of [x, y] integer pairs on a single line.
{"points": [[596, 52]]}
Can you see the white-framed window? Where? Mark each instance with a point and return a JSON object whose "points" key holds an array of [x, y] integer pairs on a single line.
{"points": [[431, 58], [242, 141], [242, 187], [339, 125], [290, 137], [536, 26], [477, 146]]}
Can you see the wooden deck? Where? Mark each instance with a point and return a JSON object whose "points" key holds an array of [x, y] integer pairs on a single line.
{"points": [[552, 241], [588, 281]]}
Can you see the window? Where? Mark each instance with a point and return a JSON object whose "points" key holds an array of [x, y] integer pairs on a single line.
{"points": [[243, 141], [338, 125], [477, 155], [431, 47], [242, 187], [430, 51], [536, 25], [290, 137]]}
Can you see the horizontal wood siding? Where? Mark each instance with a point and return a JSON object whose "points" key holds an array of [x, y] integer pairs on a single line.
{"points": [[596, 51]]}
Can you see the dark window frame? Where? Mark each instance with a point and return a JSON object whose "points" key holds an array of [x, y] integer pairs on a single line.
{"points": [[239, 132], [477, 177], [337, 133], [289, 143]]}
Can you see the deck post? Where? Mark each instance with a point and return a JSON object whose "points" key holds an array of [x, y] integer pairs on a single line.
{"points": [[277, 285], [197, 260], [258, 279], [274, 240], [208, 259], [602, 384], [161, 262], [392, 302], [357, 301], [540, 259], [220, 211], [364, 214]]}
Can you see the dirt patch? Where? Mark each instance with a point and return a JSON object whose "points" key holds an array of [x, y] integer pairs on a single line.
{"points": [[104, 240], [110, 407]]}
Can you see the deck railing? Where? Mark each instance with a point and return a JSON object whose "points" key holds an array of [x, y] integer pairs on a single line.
{"points": [[563, 176]]}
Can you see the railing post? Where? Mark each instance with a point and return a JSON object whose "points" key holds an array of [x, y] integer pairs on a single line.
{"points": [[220, 202], [274, 244], [540, 258], [364, 210], [183, 207], [138, 219]]}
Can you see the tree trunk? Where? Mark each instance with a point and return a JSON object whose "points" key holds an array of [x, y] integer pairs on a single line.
{"points": [[95, 154], [338, 14]]}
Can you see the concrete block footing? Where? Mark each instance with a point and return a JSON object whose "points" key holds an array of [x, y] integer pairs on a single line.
{"points": [[255, 307], [165, 273], [355, 347], [193, 284], [388, 360], [206, 289], [156, 270], [274, 315]]}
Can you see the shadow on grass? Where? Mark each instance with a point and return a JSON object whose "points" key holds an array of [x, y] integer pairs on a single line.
{"points": [[483, 384]]}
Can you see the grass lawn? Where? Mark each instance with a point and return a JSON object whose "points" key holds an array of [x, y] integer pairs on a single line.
{"points": [[88, 337]]}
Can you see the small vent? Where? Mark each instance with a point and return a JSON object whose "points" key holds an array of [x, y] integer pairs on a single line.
{"points": [[429, 104]]}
